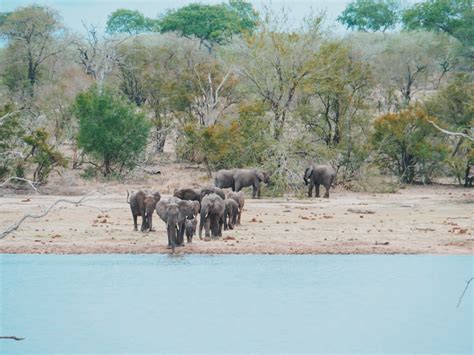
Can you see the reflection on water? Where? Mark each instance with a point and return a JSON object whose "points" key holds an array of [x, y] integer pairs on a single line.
{"points": [[158, 303]]}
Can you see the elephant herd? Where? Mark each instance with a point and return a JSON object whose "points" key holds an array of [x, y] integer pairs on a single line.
{"points": [[216, 209]]}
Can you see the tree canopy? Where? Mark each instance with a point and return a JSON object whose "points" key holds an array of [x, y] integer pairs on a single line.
{"points": [[454, 17], [129, 21], [370, 15], [211, 24]]}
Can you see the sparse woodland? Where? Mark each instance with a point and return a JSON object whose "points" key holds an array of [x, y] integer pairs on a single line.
{"points": [[245, 89]]}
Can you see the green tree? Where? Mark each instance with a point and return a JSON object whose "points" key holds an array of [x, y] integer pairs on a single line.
{"points": [[211, 24], [129, 21], [110, 129], [371, 15], [454, 17], [31, 33], [41, 153], [408, 145], [453, 106]]}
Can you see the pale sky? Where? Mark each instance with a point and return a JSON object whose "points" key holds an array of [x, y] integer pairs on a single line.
{"points": [[95, 12]]}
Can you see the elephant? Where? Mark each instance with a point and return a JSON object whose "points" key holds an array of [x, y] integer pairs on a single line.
{"points": [[188, 194], [319, 175], [224, 179], [240, 199], [212, 215], [170, 214], [212, 190], [190, 226], [143, 204], [188, 210], [250, 177], [230, 213]]}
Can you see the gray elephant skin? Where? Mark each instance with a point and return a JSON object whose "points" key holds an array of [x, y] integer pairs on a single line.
{"points": [[212, 190], [169, 213], [190, 226], [188, 194], [317, 175], [230, 213], [143, 204], [240, 199], [212, 215], [188, 210], [237, 179]]}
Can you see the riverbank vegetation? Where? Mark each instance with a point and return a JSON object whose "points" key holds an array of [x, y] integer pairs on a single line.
{"points": [[248, 89]]}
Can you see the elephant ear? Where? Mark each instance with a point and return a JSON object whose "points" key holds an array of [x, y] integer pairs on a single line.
{"points": [[261, 176], [307, 174]]}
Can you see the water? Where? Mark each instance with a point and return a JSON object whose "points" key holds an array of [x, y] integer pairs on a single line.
{"points": [[158, 303]]}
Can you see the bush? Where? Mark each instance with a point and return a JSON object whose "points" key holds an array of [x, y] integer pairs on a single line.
{"points": [[43, 155], [369, 179], [110, 129], [243, 142], [408, 145]]}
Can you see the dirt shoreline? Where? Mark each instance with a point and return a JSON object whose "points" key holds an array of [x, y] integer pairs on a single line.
{"points": [[416, 220]]}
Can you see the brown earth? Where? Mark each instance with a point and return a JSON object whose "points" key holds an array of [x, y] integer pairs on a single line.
{"points": [[420, 219]]}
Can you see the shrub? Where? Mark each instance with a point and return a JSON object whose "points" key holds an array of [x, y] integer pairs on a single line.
{"points": [[408, 145], [110, 129]]}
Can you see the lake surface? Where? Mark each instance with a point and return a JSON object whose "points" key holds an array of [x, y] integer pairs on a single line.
{"points": [[158, 303]]}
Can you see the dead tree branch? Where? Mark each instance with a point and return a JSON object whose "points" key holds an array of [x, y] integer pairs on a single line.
{"points": [[457, 134], [16, 225], [468, 282], [31, 183]]}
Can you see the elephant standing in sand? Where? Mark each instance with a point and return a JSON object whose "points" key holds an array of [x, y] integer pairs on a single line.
{"points": [[240, 178], [170, 214], [240, 199], [143, 204], [212, 215], [230, 213], [319, 175]]}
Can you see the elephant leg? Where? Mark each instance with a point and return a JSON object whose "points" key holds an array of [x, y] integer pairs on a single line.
{"points": [[144, 223], [150, 223], [226, 226], [317, 190], [207, 227], [310, 190], [256, 190], [240, 215], [181, 228], [135, 224], [326, 194]]}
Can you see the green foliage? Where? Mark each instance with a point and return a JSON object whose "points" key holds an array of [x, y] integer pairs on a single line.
{"points": [[10, 133], [110, 129], [371, 15], [453, 106], [211, 24], [454, 17], [129, 21], [45, 156], [244, 142], [408, 145]]}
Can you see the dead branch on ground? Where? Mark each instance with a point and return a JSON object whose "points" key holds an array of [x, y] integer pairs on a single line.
{"points": [[29, 182]]}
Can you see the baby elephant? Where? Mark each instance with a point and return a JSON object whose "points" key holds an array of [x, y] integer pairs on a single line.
{"points": [[230, 213], [143, 204], [240, 199], [190, 226]]}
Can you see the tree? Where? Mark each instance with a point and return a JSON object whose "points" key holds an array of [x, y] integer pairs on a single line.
{"points": [[211, 24], [454, 17], [130, 22], [275, 63], [110, 129], [453, 106], [371, 15], [408, 145], [32, 33]]}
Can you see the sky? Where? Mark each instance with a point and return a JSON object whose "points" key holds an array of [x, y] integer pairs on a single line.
{"points": [[95, 12]]}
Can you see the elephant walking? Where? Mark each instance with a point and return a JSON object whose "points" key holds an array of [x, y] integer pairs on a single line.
{"points": [[240, 199], [170, 214], [317, 175], [230, 213], [143, 204], [212, 215], [237, 179]]}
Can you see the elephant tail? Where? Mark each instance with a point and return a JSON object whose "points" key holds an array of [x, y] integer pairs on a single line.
{"points": [[128, 196]]}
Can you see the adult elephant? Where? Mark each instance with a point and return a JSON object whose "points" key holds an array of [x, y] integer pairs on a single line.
{"points": [[240, 199], [170, 214], [188, 211], [188, 194], [250, 177], [143, 204], [212, 190], [225, 179], [212, 215], [317, 175]]}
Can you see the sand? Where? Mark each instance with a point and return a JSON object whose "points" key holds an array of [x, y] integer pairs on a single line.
{"points": [[416, 220]]}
